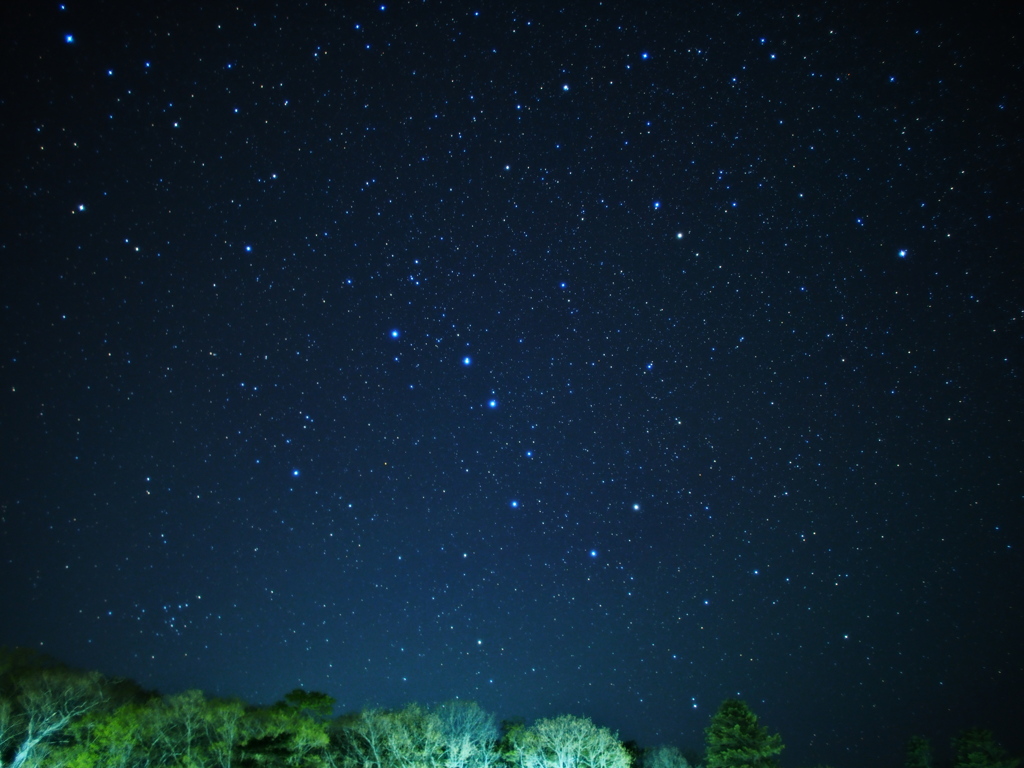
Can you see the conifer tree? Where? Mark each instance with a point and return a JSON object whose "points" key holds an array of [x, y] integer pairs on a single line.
{"points": [[977, 748], [735, 740], [919, 753]]}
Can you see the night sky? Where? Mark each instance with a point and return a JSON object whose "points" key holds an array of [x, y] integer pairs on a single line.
{"points": [[597, 359]]}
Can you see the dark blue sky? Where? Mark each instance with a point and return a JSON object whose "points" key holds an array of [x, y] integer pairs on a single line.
{"points": [[610, 361]]}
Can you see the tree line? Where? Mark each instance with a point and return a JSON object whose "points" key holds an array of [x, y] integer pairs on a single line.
{"points": [[52, 716]]}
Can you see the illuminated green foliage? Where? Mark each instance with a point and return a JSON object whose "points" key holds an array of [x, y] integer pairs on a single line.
{"points": [[919, 753], [735, 740], [977, 748]]}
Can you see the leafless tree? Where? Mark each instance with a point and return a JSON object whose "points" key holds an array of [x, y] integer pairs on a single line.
{"points": [[41, 703], [567, 742], [468, 735]]}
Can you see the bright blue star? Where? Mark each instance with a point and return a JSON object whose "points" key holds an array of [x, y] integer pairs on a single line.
{"points": [[514, 504], [69, 39], [295, 473], [593, 553], [395, 333], [902, 254], [492, 403], [467, 361]]}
